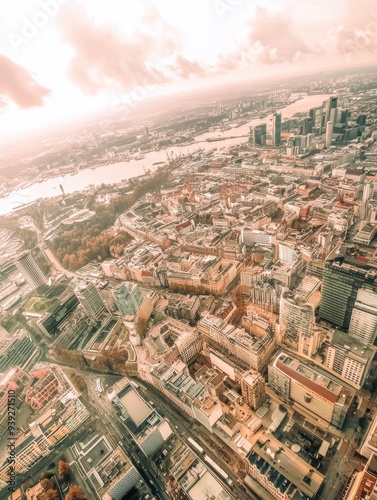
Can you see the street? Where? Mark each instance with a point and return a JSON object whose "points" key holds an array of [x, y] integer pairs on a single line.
{"points": [[188, 429], [106, 417]]}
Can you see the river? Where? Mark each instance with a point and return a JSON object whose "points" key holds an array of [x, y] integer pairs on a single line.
{"points": [[116, 172]]}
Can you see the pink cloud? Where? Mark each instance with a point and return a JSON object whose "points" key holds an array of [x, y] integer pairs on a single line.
{"points": [[18, 85], [106, 58], [358, 32], [275, 38]]}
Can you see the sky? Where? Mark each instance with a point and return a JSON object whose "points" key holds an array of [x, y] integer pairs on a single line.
{"points": [[61, 59]]}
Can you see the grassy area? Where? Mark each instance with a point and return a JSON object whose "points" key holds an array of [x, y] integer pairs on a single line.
{"points": [[38, 305]]}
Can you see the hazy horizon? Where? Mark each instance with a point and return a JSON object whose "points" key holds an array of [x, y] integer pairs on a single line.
{"points": [[64, 60]]}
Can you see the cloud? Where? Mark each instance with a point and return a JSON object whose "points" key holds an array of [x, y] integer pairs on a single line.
{"points": [[271, 38], [186, 68], [18, 85], [358, 32], [274, 38], [105, 58]]}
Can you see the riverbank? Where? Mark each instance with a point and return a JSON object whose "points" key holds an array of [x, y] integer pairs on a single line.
{"points": [[116, 172]]}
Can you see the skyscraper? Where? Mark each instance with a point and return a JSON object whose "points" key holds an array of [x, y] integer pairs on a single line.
{"points": [[91, 300], [369, 195], [341, 282], [276, 129], [329, 133], [296, 319], [316, 115], [363, 325], [30, 270], [258, 134], [331, 110], [344, 117], [128, 298]]}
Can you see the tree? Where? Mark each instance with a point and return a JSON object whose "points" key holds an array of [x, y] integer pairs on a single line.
{"points": [[51, 495], [47, 483], [363, 422], [64, 468], [75, 493]]}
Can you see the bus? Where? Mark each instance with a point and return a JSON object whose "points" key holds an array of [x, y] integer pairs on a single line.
{"points": [[195, 445], [216, 468]]}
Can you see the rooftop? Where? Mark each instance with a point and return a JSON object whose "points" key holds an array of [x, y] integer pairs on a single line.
{"points": [[313, 379], [269, 453], [136, 408]]}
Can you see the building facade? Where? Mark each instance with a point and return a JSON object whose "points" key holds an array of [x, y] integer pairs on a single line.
{"points": [[311, 390], [30, 270], [296, 319], [91, 301], [128, 298], [363, 324], [253, 389]]}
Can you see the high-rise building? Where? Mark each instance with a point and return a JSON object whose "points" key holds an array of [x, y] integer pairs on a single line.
{"points": [[361, 120], [258, 135], [369, 191], [253, 389], [150, 431], [296, 319], [15, 350], [53, 321], [316, 115], [91, 300], [331, 110], [128, 298], [369, 195], [341, 283], [345, 116], [306, 126], [363, 324], [288, 254], [276, 129], [329, 133], [30, 270], [349, 358]]}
